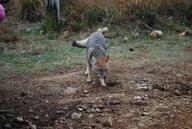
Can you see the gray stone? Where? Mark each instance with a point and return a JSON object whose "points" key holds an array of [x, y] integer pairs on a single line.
{"points": [[7, 126], [19, 119], [70, 90], [36, 117], [32, 126], [90, 116], [108, 122], [76, 115]]}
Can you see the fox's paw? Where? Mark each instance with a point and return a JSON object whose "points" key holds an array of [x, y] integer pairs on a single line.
{"points": [[86, 73], [103, 84], [89, 80]]}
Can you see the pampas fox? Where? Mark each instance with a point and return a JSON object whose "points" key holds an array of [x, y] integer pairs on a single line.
{"points": [[97, 60]]}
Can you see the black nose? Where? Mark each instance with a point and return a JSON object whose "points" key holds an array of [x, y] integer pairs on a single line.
{"points": [[104, 77]]}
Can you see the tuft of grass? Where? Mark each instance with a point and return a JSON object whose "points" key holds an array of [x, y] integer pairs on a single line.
{"points": [[50, 22], [8, 35], [30, 10]]}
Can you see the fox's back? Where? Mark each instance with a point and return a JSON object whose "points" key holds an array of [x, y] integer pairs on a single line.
{"points": [[96, 39]]}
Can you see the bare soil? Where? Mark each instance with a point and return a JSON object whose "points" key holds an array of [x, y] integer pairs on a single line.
{"points": [[139, 95]]}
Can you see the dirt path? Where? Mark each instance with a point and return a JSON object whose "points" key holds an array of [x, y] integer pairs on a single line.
{"points": [[140, 95]]}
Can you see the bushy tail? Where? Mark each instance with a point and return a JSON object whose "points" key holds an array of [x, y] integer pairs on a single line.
{"points": [[80, 43], [83, 43]]}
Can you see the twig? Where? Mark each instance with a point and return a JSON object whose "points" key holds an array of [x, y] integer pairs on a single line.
{"points": [[137, 27], [148, 27]]}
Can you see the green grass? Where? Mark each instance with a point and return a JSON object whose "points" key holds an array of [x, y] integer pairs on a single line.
{"points": [[48, 55]]}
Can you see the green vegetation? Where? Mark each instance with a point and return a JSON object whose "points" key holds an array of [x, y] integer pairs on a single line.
{"points": [[45, 54]]}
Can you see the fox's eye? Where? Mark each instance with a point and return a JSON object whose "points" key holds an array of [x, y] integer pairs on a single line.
{"points": [[99, 69]]}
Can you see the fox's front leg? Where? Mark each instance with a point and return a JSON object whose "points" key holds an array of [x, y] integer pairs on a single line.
{"points": [[88, 73], [102, 82], [87, 70]]}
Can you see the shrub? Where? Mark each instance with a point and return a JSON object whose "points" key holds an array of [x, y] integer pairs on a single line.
{"points": [[30, 10], [147, 16]]}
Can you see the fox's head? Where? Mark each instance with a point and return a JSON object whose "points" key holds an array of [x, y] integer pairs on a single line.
{"points": [[101, 66]]}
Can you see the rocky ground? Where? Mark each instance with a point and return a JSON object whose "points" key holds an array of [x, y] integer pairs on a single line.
{"points": [[139, 95]]}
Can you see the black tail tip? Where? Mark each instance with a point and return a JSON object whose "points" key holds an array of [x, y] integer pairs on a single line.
{"points": [[73, 43]]}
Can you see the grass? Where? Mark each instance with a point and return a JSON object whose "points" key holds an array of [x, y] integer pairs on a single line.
{"points": [[49, 54]]}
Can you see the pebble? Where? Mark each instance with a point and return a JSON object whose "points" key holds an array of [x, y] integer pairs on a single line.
{"points": [[32, 126], [90, 116], [31, 111], [85, 92], [76, 115], [138, 100], [81, 107], [46, 115], [7, 126], [19, 119], [108, 122], [60, 112], [70, 90], [36, 117]]}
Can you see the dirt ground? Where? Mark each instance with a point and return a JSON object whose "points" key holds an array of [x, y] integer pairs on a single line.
{"points": [[139, 95]]}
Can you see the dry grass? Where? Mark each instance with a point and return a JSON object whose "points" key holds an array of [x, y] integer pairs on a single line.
{"points": [[7, 35], [30, 10], [119, 10]]}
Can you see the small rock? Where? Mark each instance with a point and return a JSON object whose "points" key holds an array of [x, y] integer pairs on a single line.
{"points": [[61, 121], [158, 87], [60, 112], [66, 34], [85, 92], [81, 107], [46, 115], [137, 100], [19, 119], [36, 117], [162, 108], [143, 88], [76, 115], [32, 126], [177, 92], [114, 102], [108, 122], [110, 34], [31, 111], [7, 126], [125, 39], [145, 114], [97, 110], [97, 121], [183, 33], [70, 90], [90, 116], [156, 34]]}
